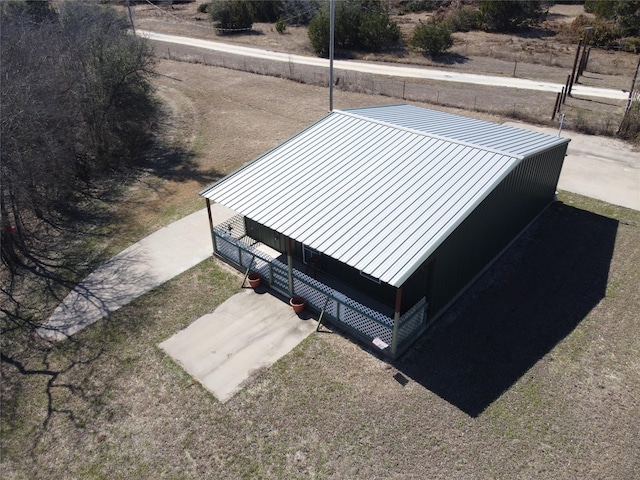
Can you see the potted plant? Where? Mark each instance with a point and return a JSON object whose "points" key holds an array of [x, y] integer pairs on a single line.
{"points": [[254, 279], [297, 303]]}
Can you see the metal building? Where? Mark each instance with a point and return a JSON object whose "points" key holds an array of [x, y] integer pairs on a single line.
{"points": [[381, 216]]}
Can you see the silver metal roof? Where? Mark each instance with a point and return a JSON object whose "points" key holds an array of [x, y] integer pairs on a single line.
{"points": [[514, 141], [378, 196]]}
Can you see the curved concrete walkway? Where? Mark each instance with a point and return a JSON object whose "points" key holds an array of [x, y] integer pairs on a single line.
{"points": [[140, 268], [603, 168], [249, 331]]}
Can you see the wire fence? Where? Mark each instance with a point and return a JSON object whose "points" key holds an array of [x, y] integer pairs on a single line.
{"points": [[513, 103]]}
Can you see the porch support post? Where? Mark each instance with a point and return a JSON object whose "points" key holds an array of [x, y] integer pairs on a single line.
{"points": [[396, 321], [290, 264], [213, 237]]}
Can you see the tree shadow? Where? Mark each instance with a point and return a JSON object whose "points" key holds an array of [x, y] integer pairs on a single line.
{"points": [[525, 304], [536, 32], [178, 165], [450, 59]]}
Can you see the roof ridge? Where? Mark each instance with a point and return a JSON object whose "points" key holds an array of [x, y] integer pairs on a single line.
{"points": [[432, 135]]}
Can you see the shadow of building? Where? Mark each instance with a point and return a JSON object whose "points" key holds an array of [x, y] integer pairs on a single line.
{"points": [[528, 301]]}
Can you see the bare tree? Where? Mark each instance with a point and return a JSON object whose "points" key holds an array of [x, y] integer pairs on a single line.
{"points": [[76, 103]]}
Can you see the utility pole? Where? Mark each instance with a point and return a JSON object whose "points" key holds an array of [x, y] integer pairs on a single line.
{"points": [[332, 14], [133, 27], [583, 58]]}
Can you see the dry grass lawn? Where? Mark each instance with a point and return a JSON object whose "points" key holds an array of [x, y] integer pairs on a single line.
{"points": [[535, 373]]}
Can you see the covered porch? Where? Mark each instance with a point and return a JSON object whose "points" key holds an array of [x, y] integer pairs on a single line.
{"points": [[332, 299]]}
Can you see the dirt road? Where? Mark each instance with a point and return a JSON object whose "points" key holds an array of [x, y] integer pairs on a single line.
{"points": [[385, 69]]}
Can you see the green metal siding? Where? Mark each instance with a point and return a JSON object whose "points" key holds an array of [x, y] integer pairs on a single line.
{"points": [[266, 235], [489, 229], [508, 209], [382, 292]]}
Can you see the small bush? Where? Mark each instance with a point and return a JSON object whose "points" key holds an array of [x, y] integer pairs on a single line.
{"points": [[231, 15], [431, 38], [203, 7], [604, 33], [512, 15], [318, 33], [630, 44], [378, 32], [410, 6], [359, 25], [463, 19], [281, 26]]}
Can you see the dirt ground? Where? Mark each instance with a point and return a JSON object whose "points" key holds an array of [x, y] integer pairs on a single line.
{"points": [[541, 54]]}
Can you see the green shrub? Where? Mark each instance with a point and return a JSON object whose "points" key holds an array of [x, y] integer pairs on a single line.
{"points": [[281, 26], [431, 38], [625, 14], [512, 15], [231, 14], [604, 32], [362, 25], [630, 44], [378, 32], [203, 7], [318, 33], [266, 11], [630, 126], [463, 19], [410, 6]]}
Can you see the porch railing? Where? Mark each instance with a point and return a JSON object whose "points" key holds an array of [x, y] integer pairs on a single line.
{"points": [[232, 244]]}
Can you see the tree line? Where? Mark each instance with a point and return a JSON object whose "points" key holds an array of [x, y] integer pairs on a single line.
{"points": [[77, 104], [366, 25]]}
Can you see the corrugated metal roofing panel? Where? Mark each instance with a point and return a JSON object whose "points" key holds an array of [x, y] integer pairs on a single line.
{"points": [[515, 141], [375, 196]]}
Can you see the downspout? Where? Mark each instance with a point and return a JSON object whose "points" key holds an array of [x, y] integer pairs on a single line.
{"points": [[290, 264], [213, 237], [396, 322]]}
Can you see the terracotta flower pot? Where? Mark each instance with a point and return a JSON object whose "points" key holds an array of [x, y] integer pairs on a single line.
{"points": [[254, 279], [297, 303]]}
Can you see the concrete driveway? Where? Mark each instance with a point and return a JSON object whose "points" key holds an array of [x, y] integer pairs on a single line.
{"points": [[247, 332], [598, 167]]}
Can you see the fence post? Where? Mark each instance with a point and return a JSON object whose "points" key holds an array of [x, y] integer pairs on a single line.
{"points": [[396, 321], [557, 105], [566, 89], [575, 65]]}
